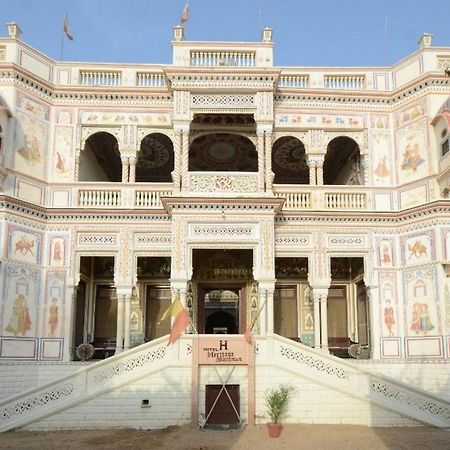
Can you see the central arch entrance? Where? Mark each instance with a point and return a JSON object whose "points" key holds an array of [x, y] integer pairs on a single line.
{"points": [[223, 282]]}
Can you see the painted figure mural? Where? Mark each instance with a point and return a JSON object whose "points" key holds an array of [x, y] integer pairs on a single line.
{"points": [[412, 151], [421, 321], [389, 319], [385, 253], [19, 322], [53, 317], [411, 158]]}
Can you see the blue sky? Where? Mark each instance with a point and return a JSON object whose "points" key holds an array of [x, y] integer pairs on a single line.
{"points": [[306, 33]]}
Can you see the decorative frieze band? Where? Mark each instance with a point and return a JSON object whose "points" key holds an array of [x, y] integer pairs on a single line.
{"points": [[225, 101], [293, 240], [215, 231], [151, 239], [93, 239], [359, 241], [223, 183]]}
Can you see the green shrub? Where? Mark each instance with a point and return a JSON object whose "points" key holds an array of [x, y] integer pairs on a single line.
{"points": [[277, 400]]}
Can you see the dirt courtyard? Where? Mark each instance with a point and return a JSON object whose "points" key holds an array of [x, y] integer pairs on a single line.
{"points": [[311, 437]]}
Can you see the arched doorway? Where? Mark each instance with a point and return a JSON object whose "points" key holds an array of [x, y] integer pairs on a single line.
{"points": [[289, 161], [155, 159], [342, 165], [100, 159], [222, 281]]}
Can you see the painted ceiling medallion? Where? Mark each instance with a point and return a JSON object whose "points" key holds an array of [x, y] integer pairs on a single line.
{"points": [[222, 152]]}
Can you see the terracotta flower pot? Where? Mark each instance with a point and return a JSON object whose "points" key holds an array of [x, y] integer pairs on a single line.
{"points": [[274, 429]]}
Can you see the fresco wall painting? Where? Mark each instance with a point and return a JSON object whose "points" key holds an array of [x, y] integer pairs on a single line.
{"points": [[30, 136], [381, 153]]}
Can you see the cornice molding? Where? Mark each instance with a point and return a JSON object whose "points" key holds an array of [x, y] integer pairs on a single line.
{"points": [[226, 79], [217, 204], [52, 215]]}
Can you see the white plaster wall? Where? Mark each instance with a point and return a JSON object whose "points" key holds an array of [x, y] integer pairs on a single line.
{"points": [[169, 394], [16, 377], [313, 403]]}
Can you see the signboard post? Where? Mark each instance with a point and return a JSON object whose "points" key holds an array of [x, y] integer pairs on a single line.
{"points": [[230, 350]]}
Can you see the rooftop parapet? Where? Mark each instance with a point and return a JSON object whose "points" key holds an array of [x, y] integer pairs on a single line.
{"points": [[222, 54]]}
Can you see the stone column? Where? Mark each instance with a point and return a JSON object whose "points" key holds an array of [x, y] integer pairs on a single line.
{"points": [[124, 169], [132, 174], [312, 170], [127, 315], [185, 161], [176, 174], [319, 169], [68, 325], [374, 329], [261, 160], [262, 308], [268, 158], [316, 298], [77, 165], [120, 323], [269, 297], [324, 322], [364, 165]]}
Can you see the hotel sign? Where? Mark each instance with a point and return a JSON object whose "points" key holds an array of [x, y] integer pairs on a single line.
{"points": [[223, 350]]}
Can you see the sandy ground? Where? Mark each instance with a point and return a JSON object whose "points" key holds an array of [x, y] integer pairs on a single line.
{"points": [[311, 437]]}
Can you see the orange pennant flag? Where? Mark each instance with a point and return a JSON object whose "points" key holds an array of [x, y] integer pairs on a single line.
{"points": [[181, 322], [185, 13], [173, 310]]}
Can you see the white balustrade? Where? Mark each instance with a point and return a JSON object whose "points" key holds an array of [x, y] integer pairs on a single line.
{"points": [[226, 58], [344, 81], [100, 78], [149, 79], [150, 199], [99, 198], [345, 200], [296, 200], [294, 81]]}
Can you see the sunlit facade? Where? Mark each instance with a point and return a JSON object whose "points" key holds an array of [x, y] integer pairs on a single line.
{"points": [[309, 202]]}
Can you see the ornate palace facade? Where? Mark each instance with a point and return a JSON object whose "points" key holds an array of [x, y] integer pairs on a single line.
{"points": [[312, 202]]}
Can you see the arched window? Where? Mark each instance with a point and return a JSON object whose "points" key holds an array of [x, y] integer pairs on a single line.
{"points": [[155, 161], [289, 161], [100, 159], [342, 162]]}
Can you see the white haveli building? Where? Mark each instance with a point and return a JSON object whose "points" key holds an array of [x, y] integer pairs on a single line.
{"points": [[310, 201]]}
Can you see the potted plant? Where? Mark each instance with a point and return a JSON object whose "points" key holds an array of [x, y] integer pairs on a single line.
{"points": [[276, 401]]}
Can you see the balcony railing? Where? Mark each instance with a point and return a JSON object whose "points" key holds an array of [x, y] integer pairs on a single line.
{"points": [[293, 81], [148, 79], [345, 200], [302, 197], [344, 81], [213, 184], [100, 78], [100, 198], [225, 58]]}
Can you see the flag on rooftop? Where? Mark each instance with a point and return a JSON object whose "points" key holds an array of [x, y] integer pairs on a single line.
{"points": [[66, 28], [185, 13]]}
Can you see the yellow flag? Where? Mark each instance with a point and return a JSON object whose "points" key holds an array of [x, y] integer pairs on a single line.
{"points": [[174, 308]]}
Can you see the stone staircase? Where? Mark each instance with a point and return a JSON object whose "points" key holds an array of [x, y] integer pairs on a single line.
{"points": [[299, 361]]}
